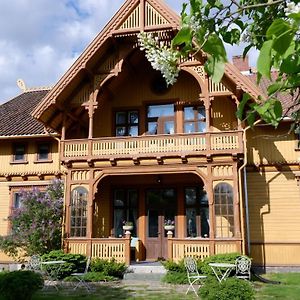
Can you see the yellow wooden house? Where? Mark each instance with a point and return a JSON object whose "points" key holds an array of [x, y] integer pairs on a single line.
{"points": [[137, 150]]}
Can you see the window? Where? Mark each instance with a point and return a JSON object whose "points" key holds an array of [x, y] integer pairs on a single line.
{"points": [[79, 198], [125, 209], [161, 119], [17, 200], [43, 151], [127, 123], [197, 213], [194, 119], [224, 216], [19, 152]]}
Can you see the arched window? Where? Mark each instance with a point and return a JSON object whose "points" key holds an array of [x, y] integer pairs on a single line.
{"points": [[224, 216], [79, 198]]}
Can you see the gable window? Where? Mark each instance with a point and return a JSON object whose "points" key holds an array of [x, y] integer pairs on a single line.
{"points": [[161, 119], [43, 152], [19, 152], [79, 199], [224, 217], [127, 123], [125, 209], [194, 119], [197, 212]]}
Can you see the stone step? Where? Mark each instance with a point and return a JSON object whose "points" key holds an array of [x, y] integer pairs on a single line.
{"points": [[152, 271]]}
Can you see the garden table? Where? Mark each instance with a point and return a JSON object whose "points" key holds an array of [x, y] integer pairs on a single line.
{"points": [[221, 270], [52, 269]]}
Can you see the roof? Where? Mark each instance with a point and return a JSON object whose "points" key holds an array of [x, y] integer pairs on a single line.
{"points": [[15, 115], [287, 101]]}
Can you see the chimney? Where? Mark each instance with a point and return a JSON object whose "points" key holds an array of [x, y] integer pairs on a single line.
{"points": [[241, 64]]}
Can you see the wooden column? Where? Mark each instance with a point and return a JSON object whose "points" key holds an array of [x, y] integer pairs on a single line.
{"points": [[170, 245], [127, 247], [90, 211], [210, 195], [67, 211], [237, 217]]}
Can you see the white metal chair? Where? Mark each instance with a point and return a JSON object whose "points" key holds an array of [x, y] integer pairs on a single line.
{"points": [[243, 267], [34, 263], [80, 276], [193, 275]]}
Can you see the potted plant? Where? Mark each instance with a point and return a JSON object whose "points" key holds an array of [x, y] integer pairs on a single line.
{"points": [[127, 225], [169, 225]]}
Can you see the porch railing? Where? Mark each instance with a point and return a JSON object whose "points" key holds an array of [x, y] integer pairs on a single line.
{"points": [[104, 248], [204, 143], [200, 248]]}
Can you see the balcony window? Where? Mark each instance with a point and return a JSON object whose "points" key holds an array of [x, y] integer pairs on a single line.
{"points": [[19, 153], [127, 123], [194, 119], [161, 119], [43, 152], [197, 214]]}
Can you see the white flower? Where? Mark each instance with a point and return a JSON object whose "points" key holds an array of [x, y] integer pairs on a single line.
{"points": [[161, 57]]}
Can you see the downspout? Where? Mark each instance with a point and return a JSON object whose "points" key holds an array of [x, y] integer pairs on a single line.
{"points": [[242, 167]]}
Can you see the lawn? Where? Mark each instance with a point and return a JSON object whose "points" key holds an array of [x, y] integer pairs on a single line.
{"points": [[288, 289]]}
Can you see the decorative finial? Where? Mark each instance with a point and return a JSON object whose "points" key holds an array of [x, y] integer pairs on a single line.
{"points": [[21, 84]]}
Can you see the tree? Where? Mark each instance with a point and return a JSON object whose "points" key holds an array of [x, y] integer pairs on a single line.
{"points": [[37, 224], [271, 26]]}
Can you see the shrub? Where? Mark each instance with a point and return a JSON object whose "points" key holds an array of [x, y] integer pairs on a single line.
{"points": [[108, 267], [175, 278], [231, 288], [20, 285], [174, 267], [73, 262]]}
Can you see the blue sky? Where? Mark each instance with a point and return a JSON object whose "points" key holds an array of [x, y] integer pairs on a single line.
{"points": [[40, 39]]}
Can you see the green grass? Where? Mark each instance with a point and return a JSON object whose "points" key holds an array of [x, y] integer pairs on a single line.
{"points": [[289, 288]]}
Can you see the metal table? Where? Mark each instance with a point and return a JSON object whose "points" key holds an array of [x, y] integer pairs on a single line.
{"points": [[221, 270]]}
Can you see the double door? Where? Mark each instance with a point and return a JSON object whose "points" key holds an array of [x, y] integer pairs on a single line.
{"points": [[161, 207]]}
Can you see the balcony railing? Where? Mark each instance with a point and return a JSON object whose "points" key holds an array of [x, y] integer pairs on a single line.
{"points": [[183, 144]]}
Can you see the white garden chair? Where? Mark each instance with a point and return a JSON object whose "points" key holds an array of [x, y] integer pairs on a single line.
{"points": [[193, 275], [80, 277], [243, 267]]}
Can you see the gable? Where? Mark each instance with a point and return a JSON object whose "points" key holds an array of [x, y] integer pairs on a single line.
{"points": [[98, 63]]}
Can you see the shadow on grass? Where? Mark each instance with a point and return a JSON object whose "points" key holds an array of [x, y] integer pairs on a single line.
{"points": [[99, 292]]}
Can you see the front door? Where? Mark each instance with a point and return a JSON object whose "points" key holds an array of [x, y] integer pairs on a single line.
{"points": [[161, 206]]}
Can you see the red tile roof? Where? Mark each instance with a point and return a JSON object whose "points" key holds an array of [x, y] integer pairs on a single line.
{"points": [[15, 115]]}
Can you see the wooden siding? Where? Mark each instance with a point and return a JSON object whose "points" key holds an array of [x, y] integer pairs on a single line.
{"points": [[269, 146], [274, 209], [4, 207], [223, 114], [32, 166]]}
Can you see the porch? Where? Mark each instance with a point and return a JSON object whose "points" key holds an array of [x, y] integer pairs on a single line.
{"points": [[120, 248]]}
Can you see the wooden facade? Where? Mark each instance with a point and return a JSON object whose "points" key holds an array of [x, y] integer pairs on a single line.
{"points": [[136, 150]]}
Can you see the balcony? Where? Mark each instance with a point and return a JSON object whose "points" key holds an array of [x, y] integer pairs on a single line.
{"points": [[213, 143]]}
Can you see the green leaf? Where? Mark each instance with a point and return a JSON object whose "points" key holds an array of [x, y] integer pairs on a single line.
{"points": [[291, 64], [184, 36], [251, 118], [246, 50], [264, 59], [277, 28], [273, 88], [215, 47], [239, 23], [281, 33], [215, 68], [241, 107]]}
